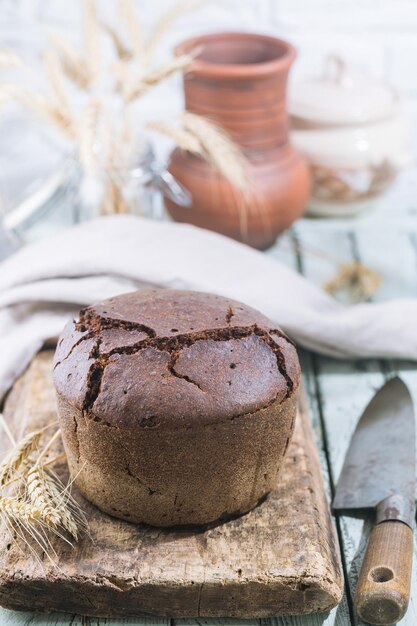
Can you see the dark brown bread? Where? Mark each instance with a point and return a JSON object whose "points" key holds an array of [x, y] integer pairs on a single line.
{"points": [[176, 407]]}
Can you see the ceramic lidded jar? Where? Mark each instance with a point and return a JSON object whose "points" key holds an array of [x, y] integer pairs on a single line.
{"points": [[350, 129], [238, 80]]}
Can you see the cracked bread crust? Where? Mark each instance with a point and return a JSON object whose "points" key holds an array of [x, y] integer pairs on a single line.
{"points": [[140, 373], [218, 355]]}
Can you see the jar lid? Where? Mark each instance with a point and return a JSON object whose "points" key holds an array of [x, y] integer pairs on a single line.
{"points": [[340, 96]]}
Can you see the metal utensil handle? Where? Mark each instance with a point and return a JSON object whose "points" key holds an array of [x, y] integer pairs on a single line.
{"points": [[171, 188], [383, 589]]}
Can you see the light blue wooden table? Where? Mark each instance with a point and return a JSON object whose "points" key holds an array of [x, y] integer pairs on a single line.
{"points": [[386, 240]]}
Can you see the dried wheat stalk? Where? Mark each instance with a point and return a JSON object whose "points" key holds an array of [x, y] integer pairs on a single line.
{"points": [[41, 107], [56, 78], [91, 30], [18, 455], [218, 149], [198, 135], [157, 76], [72, 519], [107, 145], [40, 503], [128, 14], [21, 512], [123, 52], [62, 508], [360, 280], [87, 133], [182, 138], [40, 496], [73, 65]]}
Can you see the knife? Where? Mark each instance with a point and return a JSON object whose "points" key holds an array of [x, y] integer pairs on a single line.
{"points": [[379, 473]]}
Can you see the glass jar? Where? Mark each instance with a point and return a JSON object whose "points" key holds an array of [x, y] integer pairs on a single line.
{"points": [[43, 188], [352, 132], [135, 189], [39, 180]]}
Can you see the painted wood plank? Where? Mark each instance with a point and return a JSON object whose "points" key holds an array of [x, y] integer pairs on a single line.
{"points": [[319, 270], [320, 254], [342, 613], [399, 271], [218, 621], [17, 618], [287, 250], [337, 617], [340, 247], [346, 387], [388, 219], [392, 254]]}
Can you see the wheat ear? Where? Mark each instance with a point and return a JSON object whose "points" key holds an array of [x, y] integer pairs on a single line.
{"points": [[73, 65], [91, 31], [40, 496], [156, 76], [42, 108], [128, 13], [36, 488], [219, 150], [123, 52], [56, 81], [22, 519], [200, 136], [203, 138], [18, 455], [18, 511], [65, 506], [182, 138]]}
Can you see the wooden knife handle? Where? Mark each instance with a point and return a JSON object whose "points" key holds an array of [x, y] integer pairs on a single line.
{"points": [[383, 589]]}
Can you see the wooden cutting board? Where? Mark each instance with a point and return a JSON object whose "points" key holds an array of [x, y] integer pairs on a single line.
{"points": [[282, 558]]}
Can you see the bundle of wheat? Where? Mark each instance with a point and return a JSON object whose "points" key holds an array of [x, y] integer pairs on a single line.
{"points": [[34, 503], [103, 134], [361, 281], [358, 280]]}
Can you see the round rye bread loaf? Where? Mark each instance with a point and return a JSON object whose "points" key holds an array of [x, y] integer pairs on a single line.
{"points": [[176, 407]]}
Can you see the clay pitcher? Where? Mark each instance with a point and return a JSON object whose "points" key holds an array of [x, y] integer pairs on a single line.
{"points": [[238, 80]]}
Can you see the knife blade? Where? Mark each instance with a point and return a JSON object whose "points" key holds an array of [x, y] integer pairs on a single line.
{"points": [[379, 473]]}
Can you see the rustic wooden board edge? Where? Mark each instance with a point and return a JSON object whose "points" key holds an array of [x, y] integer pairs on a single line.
{"points": [[315, 599], [251, 598]]}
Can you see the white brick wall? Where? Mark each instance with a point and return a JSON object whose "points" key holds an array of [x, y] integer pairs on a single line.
{"points": [[378, 35]]}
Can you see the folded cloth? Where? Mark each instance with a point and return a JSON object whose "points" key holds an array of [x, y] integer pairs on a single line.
{"points": [[45, 283]]}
